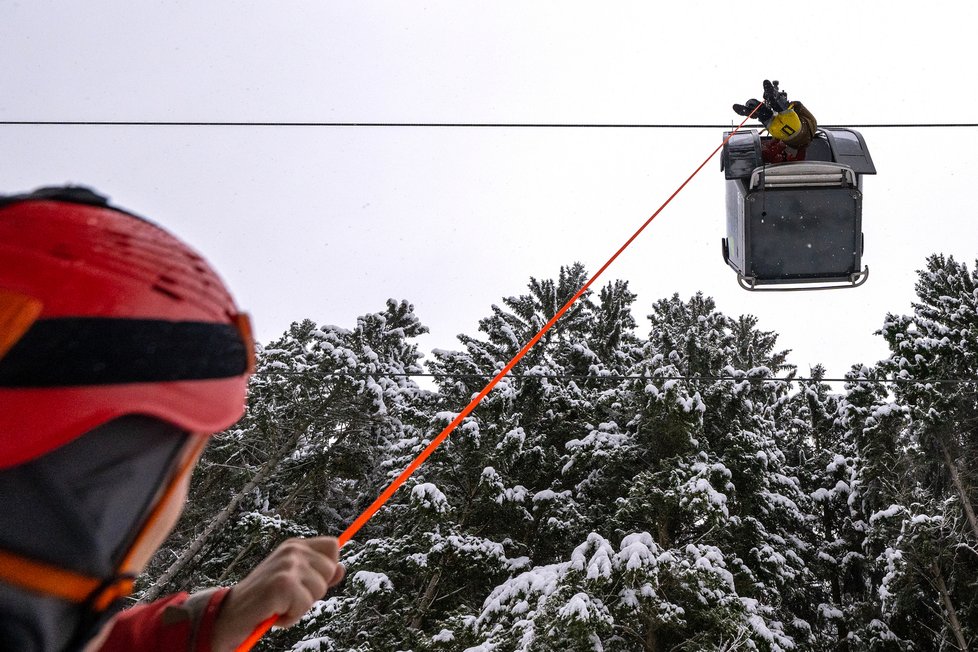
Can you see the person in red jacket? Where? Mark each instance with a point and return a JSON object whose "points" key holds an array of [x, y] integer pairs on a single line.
{"points": [[121, 352]]}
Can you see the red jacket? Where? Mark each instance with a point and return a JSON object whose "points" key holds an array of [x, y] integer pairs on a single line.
{"points": [[176, 623]]}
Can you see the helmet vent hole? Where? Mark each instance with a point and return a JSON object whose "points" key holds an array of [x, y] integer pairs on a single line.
{"points": [[167, 291]]}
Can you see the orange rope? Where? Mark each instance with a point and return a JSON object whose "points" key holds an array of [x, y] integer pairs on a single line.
{"points": [[443, 435]]}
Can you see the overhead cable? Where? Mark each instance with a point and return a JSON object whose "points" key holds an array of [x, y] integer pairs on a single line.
{"points": [[440, 125]]}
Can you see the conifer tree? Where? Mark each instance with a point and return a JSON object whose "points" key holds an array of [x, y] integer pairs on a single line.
{"points": [[701, 543], [324, 407], [940, 342], [680, 491], [490, 502], [934, 354]]}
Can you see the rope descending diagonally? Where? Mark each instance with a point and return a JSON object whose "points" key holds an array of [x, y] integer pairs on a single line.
{"points": [[443, 435]]}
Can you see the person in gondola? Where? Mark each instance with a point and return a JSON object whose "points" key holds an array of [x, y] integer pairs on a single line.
{"points": [[791, 125]]}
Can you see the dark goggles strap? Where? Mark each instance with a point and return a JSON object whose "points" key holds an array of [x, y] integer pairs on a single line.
{"points": [[76, 351]]}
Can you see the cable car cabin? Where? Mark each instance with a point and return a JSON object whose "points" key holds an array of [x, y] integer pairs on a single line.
{"points": [[797, 223]]}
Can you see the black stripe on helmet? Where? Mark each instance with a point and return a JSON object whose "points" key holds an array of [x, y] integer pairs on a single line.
{"points": [[78, 351]]}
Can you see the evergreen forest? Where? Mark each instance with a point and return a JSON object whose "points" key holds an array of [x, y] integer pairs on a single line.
{"points": [[666, 486]]}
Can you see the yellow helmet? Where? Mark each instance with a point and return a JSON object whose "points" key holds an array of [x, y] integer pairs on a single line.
{"points": [[786, 124]]}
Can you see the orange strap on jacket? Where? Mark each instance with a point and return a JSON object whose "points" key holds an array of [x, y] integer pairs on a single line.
{"points": [[47, 579]]}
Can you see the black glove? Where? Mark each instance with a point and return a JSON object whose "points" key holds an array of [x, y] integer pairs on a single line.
{"points": [[745, 109], [763, 114], [774, 97]]}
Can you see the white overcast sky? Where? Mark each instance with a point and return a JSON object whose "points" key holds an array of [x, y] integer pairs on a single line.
{"points": [[327, 223]]}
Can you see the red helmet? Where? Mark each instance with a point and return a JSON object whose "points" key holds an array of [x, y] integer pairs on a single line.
{"points": [[104, 314]]}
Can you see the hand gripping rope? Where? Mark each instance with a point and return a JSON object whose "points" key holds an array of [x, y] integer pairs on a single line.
{"points": [[361, 520]]}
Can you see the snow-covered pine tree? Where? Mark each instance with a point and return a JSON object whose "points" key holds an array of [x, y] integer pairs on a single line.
{"points": [[611, 494], [324, 407], [847, 463], [934, 358], [491, 501], [694, 541], [867, 484], [922, 589], [937, 348], [820, 457]]}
